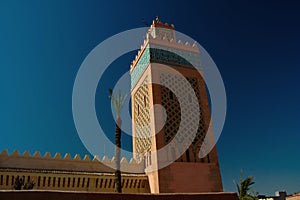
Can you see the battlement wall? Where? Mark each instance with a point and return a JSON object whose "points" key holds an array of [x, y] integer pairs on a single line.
{"points": [[66, 163], [172, 43]]}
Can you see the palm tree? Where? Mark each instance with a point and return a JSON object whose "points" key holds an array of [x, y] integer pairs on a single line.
{"points": [[244, 188], [118, 102]]}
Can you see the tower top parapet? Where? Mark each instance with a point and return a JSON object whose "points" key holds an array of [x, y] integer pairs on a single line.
{"points": [[163, 35], [157, 23]]}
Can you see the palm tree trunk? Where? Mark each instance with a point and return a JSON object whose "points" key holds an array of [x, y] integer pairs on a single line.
{"points": [[118, 183]]}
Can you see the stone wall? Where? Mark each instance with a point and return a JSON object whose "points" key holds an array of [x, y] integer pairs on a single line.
{"points": [[70, 174], [293, 197], [190, 177], [74, 181], [66, 163]]}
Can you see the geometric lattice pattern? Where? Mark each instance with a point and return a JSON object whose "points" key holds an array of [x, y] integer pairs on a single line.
{"points": [[142, 118], [173, 111]]}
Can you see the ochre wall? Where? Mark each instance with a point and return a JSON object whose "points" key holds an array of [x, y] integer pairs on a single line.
{"points": [[294, 197], [74, 181], [67, 163], [190, 177]]}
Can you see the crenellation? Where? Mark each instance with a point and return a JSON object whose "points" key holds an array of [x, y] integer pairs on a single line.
{"points": [[113, 159], [4, 153], [26, 161], [57, 156], [77, 157], [37, 154], [86, 158], [67, 157], [26, 154], [106, 159], [195, 46], [96, 159], [132, 161], [15, 153], [164, 41], [150, 36], [47, 155], [124, 161]]}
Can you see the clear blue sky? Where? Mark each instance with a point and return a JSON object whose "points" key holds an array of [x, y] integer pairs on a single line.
{"points": [[255, 44]]}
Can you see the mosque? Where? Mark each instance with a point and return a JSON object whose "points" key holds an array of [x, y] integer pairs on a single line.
{"points": [[188, 173]]}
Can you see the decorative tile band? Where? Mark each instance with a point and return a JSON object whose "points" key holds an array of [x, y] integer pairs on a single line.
{"points": [[164, 55], [140, 67]]}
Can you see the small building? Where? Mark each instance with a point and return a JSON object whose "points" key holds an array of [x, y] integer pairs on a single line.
{"points": [[278, 196], [295, 196]]}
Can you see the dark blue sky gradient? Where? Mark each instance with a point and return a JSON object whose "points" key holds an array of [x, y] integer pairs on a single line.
{"points": [[255, 44]]}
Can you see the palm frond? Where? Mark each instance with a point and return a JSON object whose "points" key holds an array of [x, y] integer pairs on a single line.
{"points": [[117, 101], [244, 187], [237, 187]]}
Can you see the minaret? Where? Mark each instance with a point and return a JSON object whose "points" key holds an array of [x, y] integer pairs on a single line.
{"points": [[154, 127]]}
